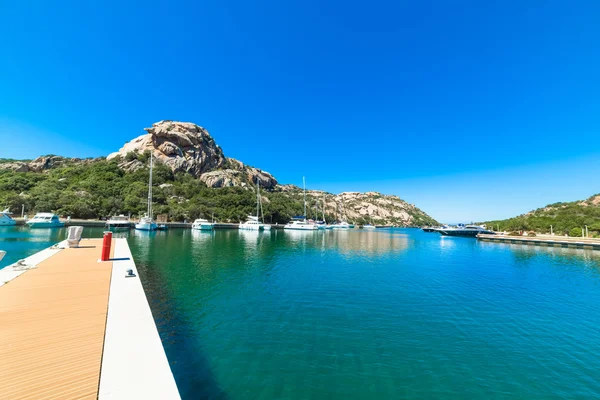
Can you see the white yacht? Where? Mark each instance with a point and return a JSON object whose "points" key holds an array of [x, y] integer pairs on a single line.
{"points": [[202, 224], [252, 223], [118, 222], [468, 231], [6, 219], [45, 220], [341, 225], [300, 223], [147, 222], [369, 226]]}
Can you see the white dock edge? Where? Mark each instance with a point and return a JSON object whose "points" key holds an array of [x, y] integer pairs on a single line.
{"points": [[134, 363], [12, 271]]}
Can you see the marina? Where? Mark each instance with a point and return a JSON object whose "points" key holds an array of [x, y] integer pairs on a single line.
{"points": [[245, 314]]}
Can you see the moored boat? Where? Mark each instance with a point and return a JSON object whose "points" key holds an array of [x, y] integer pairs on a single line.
{"points": [[6, 219], [202, 224], [341, 226], [147, 222], [300, 223], [429, 229], [45, 220], [252, 224], [118, 222], [466, 231]]}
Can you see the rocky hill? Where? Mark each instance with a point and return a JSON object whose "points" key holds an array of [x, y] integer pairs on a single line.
{"points": [[564, 217], [188, 150]]}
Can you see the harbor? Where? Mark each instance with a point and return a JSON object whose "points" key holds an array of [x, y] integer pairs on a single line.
{"points": [[73, 326]]}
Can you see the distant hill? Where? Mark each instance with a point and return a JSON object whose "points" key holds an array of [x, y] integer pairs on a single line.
{"points": [[192, 178], [565, 218]]}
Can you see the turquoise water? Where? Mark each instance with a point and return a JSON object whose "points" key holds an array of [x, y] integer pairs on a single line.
{"points": [[382, 314]]}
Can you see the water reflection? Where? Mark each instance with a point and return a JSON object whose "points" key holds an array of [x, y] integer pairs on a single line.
{"points": [[350, 241]]}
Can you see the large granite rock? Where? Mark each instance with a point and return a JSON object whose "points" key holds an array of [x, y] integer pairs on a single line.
{"points": [[182, 146], [187, 147]]}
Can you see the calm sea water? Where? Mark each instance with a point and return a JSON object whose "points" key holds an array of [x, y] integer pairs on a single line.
{"points": [[383, 314]]}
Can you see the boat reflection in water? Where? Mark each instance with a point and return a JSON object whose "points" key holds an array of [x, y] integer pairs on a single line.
{"points": [[352, 241]]}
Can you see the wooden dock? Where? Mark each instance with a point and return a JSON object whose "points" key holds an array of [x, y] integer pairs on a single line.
{"points": [[546, 240], [62, 312]]}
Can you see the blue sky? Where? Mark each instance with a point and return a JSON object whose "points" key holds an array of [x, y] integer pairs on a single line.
{"points": [[469, 110]]}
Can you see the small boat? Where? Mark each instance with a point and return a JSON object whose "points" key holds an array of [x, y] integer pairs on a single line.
{"points": [[300, 223], [6, 219], [369, 226], [252, 223], [118, 222], [429, 229], [162, 227], [466, 231], [341, 226], [202, 224], [147, 222], [45, 220]]}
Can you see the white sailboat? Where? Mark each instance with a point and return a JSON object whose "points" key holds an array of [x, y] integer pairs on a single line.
{"points": [[341, 225], [300, 223], [253, 223], [147, 222]]}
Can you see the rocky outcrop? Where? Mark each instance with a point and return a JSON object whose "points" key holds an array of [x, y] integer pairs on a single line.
{"points": [[17, 166], [372, 207], [44, 163], [182, 146], [187, 147]]}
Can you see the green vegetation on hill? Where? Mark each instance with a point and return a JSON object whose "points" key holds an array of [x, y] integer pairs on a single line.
{"points": [[565, 218], [100, 189]]}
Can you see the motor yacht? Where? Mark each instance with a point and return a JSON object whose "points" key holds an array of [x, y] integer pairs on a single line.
{"points": [[45, 220], [6, 219]]}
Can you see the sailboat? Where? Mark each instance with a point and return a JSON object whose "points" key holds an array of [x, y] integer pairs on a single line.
{"points": [[342, 224], [252, 223], [147, 222], [370, 224], [299, 222], [320, 224]]}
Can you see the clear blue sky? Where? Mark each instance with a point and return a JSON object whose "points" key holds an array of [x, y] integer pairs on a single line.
{"points": [[468, 109]]}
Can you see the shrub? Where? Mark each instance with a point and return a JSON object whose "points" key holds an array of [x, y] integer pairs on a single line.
{"points": [[575, 232]]}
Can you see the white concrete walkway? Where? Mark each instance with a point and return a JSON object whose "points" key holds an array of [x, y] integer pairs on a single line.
{"points": [[134, 364]]}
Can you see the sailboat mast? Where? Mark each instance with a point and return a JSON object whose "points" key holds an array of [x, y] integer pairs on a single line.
{"points": [[304, 184], [324, 212], [257, 196], [150, 189]]}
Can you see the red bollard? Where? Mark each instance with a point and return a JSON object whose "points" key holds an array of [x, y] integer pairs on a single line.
{"points": [[106, 242]]}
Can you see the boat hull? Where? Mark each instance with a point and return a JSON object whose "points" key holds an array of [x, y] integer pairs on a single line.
{"points": [[464, 232], [8, 223], [118, 227], [146, 227], [251, 227], [300, 228], [39, 225], [203, 227]]}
